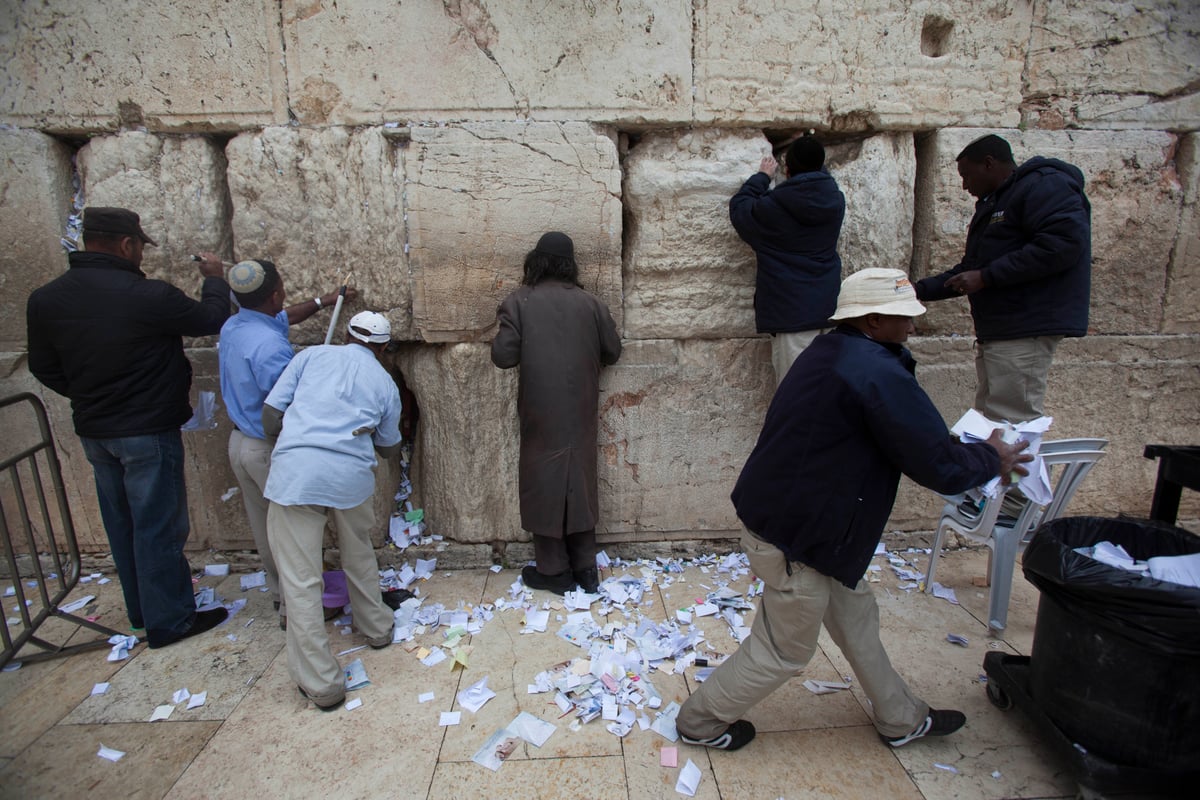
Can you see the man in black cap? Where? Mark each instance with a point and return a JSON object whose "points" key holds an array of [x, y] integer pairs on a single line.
{"points": [[561, 336], [110, 339]]}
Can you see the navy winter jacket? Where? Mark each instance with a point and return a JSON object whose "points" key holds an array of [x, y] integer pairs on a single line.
{"points": [[848, 418], [109, 338], [1032, 239], [794, 232]]}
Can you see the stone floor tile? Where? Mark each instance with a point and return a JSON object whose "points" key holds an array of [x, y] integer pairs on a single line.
{"points": [[593, 778], [846, 763], [958, 568], [63, 762], [276, 743], [209, 662], [62, 685], [649, 780]]}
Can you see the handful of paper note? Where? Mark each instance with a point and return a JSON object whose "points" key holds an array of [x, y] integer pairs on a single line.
{"points": [[975, 427]]}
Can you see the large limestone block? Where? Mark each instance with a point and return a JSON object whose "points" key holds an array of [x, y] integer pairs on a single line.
{"points": [[176, 184], [324, 204], [1136, 196], [374, 60], [1131, 390], [1181, 311], [874, 64], [36, 186], [677, 420], [477, 198], [688, 274], [106, 65], [878, 176], [1105, 64], [468, 446]]}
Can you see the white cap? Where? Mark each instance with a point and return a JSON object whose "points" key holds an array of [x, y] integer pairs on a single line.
{"points": [[875, 290], [370, 326]]}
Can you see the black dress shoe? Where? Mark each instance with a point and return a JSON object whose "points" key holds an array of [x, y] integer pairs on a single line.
{"points": [[559, 584], [588, 579], [205, 621], [394, 597]]}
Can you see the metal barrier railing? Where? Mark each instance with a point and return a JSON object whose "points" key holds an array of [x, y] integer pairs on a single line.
{"points": [[29, 532]]}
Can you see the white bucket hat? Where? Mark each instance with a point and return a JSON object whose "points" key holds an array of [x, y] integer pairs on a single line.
{"points": [[875, 290], [370, 326]]}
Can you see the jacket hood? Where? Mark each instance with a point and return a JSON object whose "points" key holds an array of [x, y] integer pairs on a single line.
{"points": [[812, 196], [1041, 164]]}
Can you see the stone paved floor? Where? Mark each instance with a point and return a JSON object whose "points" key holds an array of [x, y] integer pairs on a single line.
{"points": [[257, 738]]}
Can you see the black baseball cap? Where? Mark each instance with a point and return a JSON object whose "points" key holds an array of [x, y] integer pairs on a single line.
{"points": [[118, 221]]}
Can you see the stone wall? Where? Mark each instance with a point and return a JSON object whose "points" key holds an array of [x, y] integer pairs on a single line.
{"points": [[421, 148]]}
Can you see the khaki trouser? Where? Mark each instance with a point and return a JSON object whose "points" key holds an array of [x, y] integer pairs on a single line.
{"points": [[296, 534], [785, 347], [1011, 377], [251, 461], [783, 639]]}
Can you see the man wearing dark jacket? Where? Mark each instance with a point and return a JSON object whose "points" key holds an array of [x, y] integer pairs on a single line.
{"points": [[1027, 272], [794, 231], [814, 497], [110, 339], [561, 337]]}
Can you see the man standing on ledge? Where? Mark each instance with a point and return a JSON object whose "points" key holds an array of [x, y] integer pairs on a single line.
{"points": [[794, 231], [110, 339], [253, 353], [1027, 272], [814, 497], [333, 408]]}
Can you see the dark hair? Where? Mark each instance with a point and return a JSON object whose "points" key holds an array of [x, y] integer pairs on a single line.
{"points": [[804, 155], [259, 296], [990, 145], [542, 266]]}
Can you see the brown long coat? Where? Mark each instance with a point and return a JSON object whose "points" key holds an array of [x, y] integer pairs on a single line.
{"points": [[561, 336]]}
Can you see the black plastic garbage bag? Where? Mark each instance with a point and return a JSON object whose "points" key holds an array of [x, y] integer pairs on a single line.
{"points": [[1154, 614], [1115, 662]]}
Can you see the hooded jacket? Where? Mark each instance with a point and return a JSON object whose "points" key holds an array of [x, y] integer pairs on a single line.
{"points": [[110, 339], [794, 232], [1032, 240], [844, 424]]}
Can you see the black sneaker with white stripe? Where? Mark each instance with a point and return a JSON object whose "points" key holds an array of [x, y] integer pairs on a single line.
{"points": [[735, 736], [938, 723]]}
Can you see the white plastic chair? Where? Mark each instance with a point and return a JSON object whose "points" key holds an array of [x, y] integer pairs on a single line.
{"points": [[1007, 537]]}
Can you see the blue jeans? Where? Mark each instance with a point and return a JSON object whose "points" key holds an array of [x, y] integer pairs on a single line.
{"points": [[143, 502]]}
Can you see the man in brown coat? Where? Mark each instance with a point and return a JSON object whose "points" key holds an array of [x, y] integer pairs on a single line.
{"points": [[561, 336]]}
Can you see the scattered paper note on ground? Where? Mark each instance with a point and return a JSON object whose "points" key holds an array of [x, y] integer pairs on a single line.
{"points": [[353, 704], [473, 697], [532, 729], [496, 750], [689, 779], [162, 712], [110, 754], [669, 757], [449, 718], [197, 700]]}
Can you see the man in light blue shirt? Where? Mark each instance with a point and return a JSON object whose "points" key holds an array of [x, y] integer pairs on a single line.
{"points": [[333, 408], [253, 352]]}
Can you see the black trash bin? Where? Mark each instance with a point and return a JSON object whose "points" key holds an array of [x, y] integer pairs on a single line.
{"points": [[1116, 657]]}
